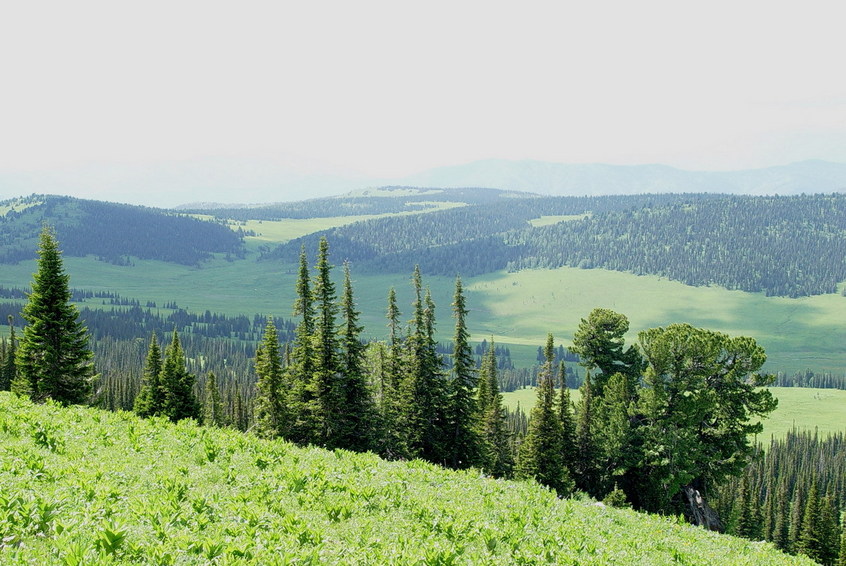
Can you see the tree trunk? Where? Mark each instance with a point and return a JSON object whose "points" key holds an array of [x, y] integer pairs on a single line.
{"points": [[700, 512]]}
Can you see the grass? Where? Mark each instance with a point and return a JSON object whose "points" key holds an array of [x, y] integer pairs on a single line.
{"points": [[82, 486], [821, 410], [550, 220]]}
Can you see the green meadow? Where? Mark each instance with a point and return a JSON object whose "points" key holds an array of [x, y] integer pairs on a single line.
{"points": [[821, 410]]}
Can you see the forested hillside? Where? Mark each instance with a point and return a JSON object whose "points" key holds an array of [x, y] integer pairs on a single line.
{"points": [[112, 232], [786, 246]]}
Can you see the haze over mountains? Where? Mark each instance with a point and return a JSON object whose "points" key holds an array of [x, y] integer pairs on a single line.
{"points": [[250, 180]]}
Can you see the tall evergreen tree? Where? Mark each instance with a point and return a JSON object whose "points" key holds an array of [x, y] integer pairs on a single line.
{"points": [[541, 454], [53, 359], [842, 560], [7, 361], [150, 399], [178, 384], [357, 416], [586, 472], [599, 343], [568, 423], [213, 415], [269, 403], [810, 541], [325, 407], [301, 366], [497, 454], [462, 420], [394, 443]]}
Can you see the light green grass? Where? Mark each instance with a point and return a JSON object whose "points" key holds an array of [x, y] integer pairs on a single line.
{"points": [[18, 205], [821, 410], [81, 486]]}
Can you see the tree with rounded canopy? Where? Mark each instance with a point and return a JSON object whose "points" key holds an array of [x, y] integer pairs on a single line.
{"points": [[701, 400], [53, 359], [599, 342]]}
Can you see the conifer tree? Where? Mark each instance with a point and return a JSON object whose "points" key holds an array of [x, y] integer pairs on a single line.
{"points": [[436, 439], [213, 415], [394, 441], [357, 415], [497, 454], [7, 361], [780, 534], [586, 473], [53, 358], [178, 384], [462, 420], [325, 406], [568, 423], [842, 560], [541, 453], [269, 404], [797, 514], [301, 366], [150, 399], [810, 541]]}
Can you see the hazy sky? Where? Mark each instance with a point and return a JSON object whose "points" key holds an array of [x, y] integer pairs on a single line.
{"points": [[391, 88]]}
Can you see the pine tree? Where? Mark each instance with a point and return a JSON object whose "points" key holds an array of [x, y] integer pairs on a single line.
{"points": [[462, 420], [842, 560], [53, 358], [394, 443], [178, 384], [150, 399], [356, 430], [541, 454], [213, 415], [7, 361], [269, 404]]}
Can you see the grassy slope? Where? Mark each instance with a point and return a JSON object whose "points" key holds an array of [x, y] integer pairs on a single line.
{"points": [[823, 410], [80, 486]]}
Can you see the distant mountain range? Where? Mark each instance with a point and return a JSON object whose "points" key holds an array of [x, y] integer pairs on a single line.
{"points": [[262, 181]]}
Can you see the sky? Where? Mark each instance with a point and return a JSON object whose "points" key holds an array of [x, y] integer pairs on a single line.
{"points": [[91, 90]]}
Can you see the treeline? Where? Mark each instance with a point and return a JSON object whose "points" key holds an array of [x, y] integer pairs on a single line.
{"points": [[411, 199], [792, 495], [113, 232], [808, 378], [788, 246]]}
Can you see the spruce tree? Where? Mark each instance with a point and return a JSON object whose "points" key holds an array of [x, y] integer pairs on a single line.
{"points": [[568, 423], [810, 541], [586, 473], [7, 363], [541, 454], [301, 366], [150, 399], [213, 415], [462, 419], [269, 404], [497, 454], [842, 560], [325, 406], [178, 384], [356, 430], [393, 440], [53, 359]]}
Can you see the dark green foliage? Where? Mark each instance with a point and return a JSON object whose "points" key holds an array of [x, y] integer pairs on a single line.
{"points": [[599, 342], [497, 454], [53, 358], [7, 358], [269, 403], [301, 364], [213, 413], [151, 398], [586, 468], [541, 454], [115, 232], [569, 447], [463, 417], [178, 384], [357, 417]]}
